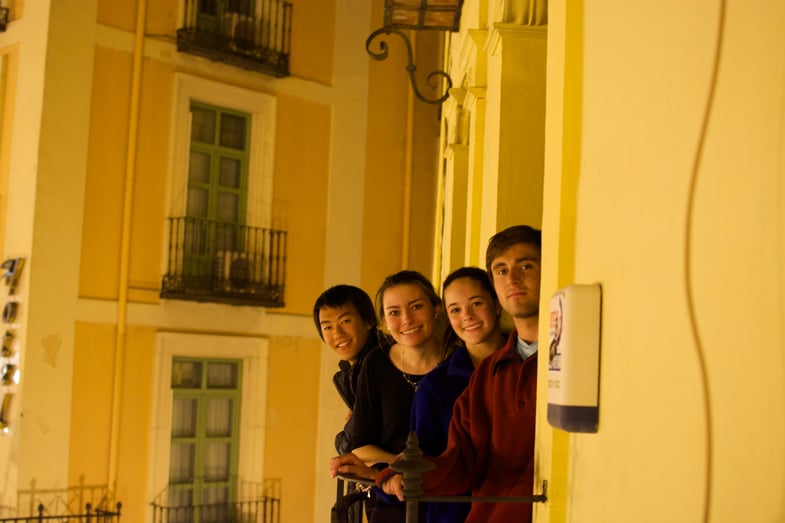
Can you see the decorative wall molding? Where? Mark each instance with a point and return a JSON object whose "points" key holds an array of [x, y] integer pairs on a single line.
{"points": [[506, 31], [522, 12], [455, 116], [473, 96]]}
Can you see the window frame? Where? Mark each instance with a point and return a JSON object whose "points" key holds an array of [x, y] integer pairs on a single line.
{"points": [[216, 152], [254, 354], [200, 439], [261, 107]]}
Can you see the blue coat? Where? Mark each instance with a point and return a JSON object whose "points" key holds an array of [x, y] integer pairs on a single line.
{"points": [[430, 420]]}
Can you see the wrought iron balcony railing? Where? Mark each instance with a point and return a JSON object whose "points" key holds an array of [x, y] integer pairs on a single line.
{"points": [[255, 503], [210, 261], [79, 500], [252, 35], [89, 515], [263, 510], [412, 465]]}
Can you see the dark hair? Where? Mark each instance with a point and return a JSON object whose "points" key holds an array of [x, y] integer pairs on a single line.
{"points": [[510, 236], [341, 295], [406, 277], [475, 274]]}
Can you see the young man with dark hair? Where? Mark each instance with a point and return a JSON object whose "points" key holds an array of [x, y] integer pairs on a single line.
{"points": [[346, 321], [490, 447]]}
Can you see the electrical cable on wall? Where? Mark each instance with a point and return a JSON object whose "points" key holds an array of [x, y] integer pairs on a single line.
{"points": [[688, 258]]}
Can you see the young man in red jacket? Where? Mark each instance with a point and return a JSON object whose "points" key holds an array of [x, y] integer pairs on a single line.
{"points": [[490, 448]]}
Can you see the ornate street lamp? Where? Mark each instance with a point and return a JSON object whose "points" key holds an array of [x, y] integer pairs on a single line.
{"points": [[417, 15]]}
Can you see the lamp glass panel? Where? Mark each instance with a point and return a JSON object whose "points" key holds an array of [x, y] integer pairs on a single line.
{"points": [[405, 16], [416, 14], [439, 19], [419, 4]]}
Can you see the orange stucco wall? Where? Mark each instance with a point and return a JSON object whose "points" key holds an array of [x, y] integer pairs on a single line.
{"points": [[292, 422], [104, 179]]}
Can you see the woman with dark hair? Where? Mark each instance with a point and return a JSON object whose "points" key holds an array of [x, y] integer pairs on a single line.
{"points": [[492, 429], [473, 334], [411, 312]]}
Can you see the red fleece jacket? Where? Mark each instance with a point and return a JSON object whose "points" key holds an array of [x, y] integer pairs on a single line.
{"points": [[490, 447]]}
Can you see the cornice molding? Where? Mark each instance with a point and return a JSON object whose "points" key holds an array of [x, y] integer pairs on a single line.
{"points": [[508, 31], [474, 95], [452, 106], [455, 149], [530, 13]]}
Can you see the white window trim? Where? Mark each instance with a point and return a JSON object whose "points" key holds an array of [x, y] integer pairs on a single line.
{"points": [[262, 108], [253, 404]]}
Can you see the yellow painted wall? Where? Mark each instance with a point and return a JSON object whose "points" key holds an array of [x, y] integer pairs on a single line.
{"points": [[92, 394], [133, 443], [522, 120], [424, 164], [313, 37], [302, 126], [686, 236], [313, 22], [93, 390], [384, 169], [121, 15], [10, 59], [104, 187], [563, 125], [161, 17], [150, 177], [304, 172], [302, 158], [16, 10], [292, 423], [402, 133]]}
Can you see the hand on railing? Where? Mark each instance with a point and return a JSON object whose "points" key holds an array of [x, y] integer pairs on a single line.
{"points": [[350, 467]]}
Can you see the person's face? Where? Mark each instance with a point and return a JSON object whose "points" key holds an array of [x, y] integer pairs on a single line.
{"points": [[473, 313], [516, 278], [344, 330], [409, 315]]}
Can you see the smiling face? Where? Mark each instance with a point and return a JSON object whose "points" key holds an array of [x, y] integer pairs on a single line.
{"points": [[472, 311], [344, 330], [516, 278], [409, 314]]}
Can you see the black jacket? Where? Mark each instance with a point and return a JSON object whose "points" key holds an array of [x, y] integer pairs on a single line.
{"points": [[345, 381]]}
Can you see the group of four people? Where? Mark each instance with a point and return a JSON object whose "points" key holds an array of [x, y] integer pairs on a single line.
{"points": [[442, 369]]}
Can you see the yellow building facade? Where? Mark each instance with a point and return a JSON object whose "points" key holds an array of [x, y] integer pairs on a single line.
{"points": [[644, 138], [663, 182], [105, 187]]}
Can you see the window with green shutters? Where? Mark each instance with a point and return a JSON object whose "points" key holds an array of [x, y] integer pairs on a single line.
{"points": [[205, 433], [217, 176]]}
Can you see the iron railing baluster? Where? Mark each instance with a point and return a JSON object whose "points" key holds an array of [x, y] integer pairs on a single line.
{"points": [[225, 263], [257, 41]]}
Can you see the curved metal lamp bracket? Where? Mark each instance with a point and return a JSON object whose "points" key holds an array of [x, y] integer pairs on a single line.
{"points": [[410, 68]]}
